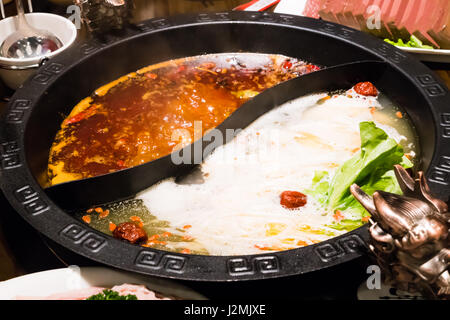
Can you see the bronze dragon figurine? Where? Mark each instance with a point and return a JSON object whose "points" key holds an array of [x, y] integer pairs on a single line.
{"points": [[410, 235]]}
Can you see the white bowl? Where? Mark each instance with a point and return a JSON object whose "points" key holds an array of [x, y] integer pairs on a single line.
{"points": [[46, 283], [15, 71]]}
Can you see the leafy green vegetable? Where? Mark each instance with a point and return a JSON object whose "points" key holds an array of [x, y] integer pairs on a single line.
{"points": [[371, 168], [320, 186], [346, 224], [111, 295], [413, 42]]}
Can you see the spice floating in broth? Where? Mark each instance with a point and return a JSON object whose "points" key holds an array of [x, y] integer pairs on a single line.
{"points": [[132, 120], [158, 233]]}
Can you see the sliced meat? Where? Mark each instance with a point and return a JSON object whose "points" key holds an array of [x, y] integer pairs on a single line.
{"points": [[360, 14], [441, 9], [325, 12], [409, 14], [428, 13], [312, 8], [79, 294], [340, 13], [414, 11], [386, 7], [438, 21], [140, 291], [441, 30], [382, 32], [394, 17], [348, 14], [335, 7]]}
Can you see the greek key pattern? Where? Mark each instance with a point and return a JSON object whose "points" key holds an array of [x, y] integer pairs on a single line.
{"points": [[441, 173], [153, 25], [94, 45], [255, 16], [31, 200], [430, 85], [9, 152], [156, 261], [16, 112], [244, 266], [336, 30], [82, 237], [217, 16], [388, 52], [445, 125], [332, 251], [44, 76], [88, 48]]}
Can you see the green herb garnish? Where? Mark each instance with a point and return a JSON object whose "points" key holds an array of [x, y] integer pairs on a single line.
{"points": [[111, 295], [413, 42], [371, 168]]}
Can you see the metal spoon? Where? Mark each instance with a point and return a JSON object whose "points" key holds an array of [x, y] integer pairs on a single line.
{"points": [[28, 42]]}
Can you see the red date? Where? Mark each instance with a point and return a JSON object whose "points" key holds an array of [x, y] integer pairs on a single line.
{"points": [[366, 89], [292, 199]]}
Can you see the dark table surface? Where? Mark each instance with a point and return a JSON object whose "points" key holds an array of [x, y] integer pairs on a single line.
{"points": [[23, 250]]}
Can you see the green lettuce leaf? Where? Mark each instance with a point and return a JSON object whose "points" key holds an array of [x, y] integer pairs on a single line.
{"points": [[413, 42], [371, 168], [346, 224], [320, 186]]}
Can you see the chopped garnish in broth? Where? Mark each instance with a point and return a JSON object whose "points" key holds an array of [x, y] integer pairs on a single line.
{"points": [[159, 233]]}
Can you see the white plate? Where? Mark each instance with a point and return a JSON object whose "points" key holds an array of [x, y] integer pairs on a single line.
{"points": [[385, 292], [432, 55], [291, 7], [43, 284], [296, 7]]}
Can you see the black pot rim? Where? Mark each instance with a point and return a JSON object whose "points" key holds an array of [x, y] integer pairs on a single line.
{"points": [[31, 202]]}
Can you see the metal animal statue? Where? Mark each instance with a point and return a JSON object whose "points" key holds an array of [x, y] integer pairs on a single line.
{"points": [[410, 235], [105, 15]]}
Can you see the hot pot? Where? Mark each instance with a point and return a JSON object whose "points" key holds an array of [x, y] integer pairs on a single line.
{"points": [[33, 117]]}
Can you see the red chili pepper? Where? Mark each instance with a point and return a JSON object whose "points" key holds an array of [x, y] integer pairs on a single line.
{"points": [[287, 64], [121, 163], [151, 75], [76, 118], [82, 115], [312, 67]]}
